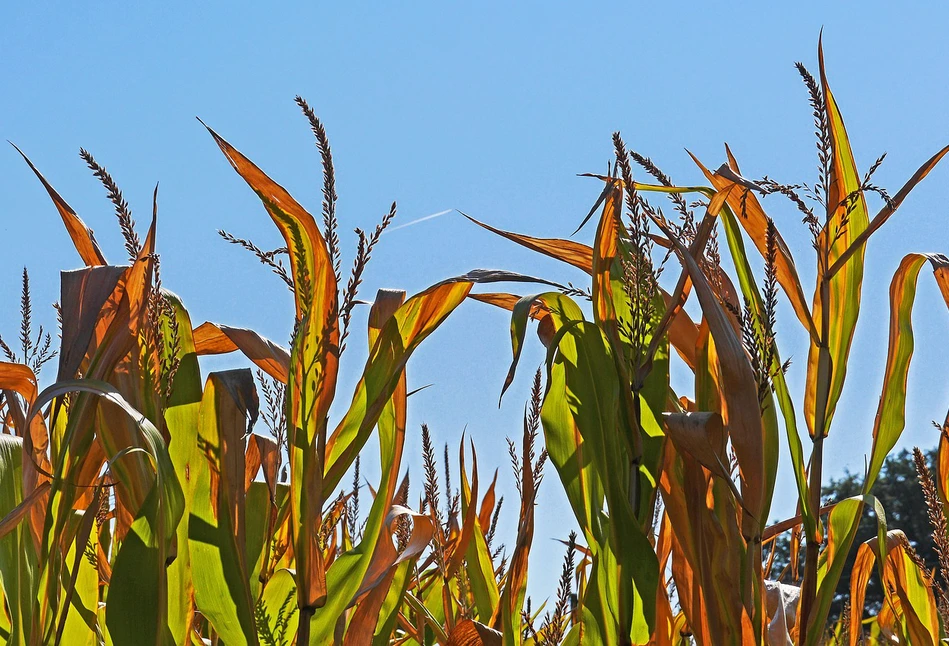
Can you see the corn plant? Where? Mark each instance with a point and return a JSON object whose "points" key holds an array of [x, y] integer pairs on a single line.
{"points": [[618, 435], [133, 510], [139, 507]]}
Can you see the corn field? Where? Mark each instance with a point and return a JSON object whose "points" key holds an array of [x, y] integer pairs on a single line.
{"points": [[144, 503]]}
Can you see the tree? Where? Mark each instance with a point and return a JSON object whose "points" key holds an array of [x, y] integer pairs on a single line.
{"points": [[899, 492]]}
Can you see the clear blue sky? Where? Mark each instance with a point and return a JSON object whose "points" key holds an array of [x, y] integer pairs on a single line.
{"points": [[491, 110]]}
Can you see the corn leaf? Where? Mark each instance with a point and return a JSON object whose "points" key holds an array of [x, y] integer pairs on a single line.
{"points": [[19, 572], [841, 530], [78, 623], [740, 397], [888, 209], [375, 596], [755, 223], [217, 533], [182, 418], [907, 590], [138, 589], [781, 393], [408, 327], [573, 253], [367, 563], [836, 302], [313, 366], [551, 308], [480, 569], [81, 235], [583, 402], [212, 338], [276, 609], [891, 413], [473, 633]]}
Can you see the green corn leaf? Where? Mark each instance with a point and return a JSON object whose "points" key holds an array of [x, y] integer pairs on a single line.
{"points": [[891, 413], [182, 418], [217, 533], [276, 610], [398, 338], [348, 572], [583, 404], [19, 572], [138, 577], [841, 531]]}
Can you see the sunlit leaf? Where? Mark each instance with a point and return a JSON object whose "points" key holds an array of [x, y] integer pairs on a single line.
{"points": [[82, 236], [313, 366], [754, 221], [19, 575], [408, 327], [211, 338], [367, 563], [740, 398], [216, 533], [891, 413], [138, 587]]}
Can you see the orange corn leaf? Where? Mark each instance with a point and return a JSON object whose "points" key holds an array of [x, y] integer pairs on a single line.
{"points": [[914, 590], [213, 338], [908, 590], [781, 394], [859, 578], [12, 519], [487, 504], [755, 223], [697, 434], [739, 394], [408, 327], [368, 601], [81, 235], [472, 633], [18, 378], [313, 366], [85, 293], [267, 453], [573, 253], [681, 333]]}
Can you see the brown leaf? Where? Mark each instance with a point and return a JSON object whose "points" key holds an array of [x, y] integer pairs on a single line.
{"points": [[212, 338], [472, 633], [81, 235]]}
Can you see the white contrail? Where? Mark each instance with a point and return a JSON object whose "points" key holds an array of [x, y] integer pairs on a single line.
{"points": [[427, 217]]}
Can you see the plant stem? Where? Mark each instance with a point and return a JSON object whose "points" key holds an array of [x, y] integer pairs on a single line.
{"points": [[637, 458], [812, 546], [303, 631]]}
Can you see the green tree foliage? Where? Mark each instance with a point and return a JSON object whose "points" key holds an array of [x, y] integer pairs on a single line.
{"points": [[900, 494]]}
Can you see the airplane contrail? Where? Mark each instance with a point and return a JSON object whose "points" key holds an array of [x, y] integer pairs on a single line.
{"points": [[427, 217]]}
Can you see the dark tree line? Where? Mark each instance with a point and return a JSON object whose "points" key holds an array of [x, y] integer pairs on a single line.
{"points": [[899, 492]]}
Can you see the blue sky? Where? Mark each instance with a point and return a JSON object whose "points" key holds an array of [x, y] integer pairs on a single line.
{"points": [[492, 109]]}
